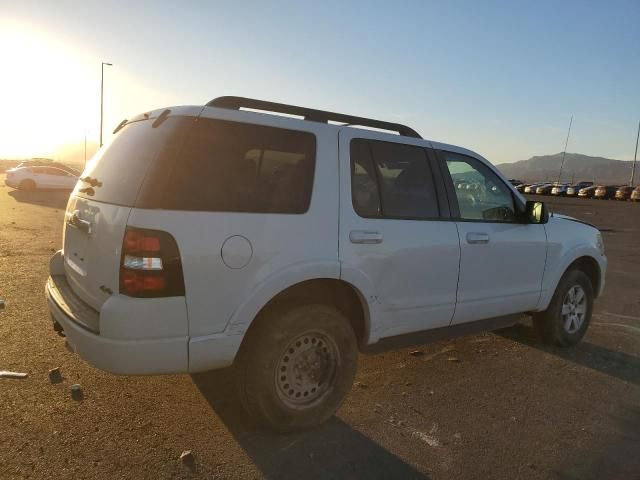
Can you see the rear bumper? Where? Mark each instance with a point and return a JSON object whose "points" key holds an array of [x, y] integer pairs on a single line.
{"points": [[135, 336], [127, 357]]}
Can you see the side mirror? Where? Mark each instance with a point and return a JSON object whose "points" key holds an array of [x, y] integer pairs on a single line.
{"points": [[536, 212]]}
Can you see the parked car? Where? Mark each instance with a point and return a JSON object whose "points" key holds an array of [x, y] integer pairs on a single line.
{"points": [[32, 178], [574, 189], [623, 193], [46, 162], [531, 188], [266, 241], [605, 192], [515, 182], [587, 192], [544, 189], [635, 195], [521, 187], [560, 190]]}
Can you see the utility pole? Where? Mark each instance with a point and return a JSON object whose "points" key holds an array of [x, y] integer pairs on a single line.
{"points": [[635, 155], [565, 150], [102, 95]]}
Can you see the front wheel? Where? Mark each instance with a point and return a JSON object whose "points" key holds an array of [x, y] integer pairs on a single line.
{"points": [[27, 186], [567, 318], [296, 366]]}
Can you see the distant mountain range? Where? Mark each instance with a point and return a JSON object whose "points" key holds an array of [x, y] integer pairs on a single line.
{"points": [[577, 167]]}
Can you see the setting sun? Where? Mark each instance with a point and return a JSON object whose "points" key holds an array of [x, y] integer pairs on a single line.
{"points": [[45, 95]]}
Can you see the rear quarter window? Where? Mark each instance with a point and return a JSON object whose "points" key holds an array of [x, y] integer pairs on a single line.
{"points": [[227, 166]]}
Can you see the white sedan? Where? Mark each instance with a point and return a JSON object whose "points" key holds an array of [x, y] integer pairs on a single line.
{"points": [[31, 178]]}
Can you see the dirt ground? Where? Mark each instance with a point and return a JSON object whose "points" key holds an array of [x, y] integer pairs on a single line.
{"points": [[492, 406]]}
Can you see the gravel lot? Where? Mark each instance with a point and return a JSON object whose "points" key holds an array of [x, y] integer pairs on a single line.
{"points": [[497, 405]]}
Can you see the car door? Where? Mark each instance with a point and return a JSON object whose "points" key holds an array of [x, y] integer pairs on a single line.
{"points": [[396, 240], [502, 259], [41, 177], [57, 178]]}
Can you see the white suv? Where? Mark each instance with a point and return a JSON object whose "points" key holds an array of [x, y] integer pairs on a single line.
{"points": [[202, 237]]}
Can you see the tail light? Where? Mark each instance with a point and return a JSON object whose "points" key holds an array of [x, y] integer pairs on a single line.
{"points": [[150, 264]]}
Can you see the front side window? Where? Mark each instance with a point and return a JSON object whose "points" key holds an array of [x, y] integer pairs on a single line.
{"points": [[480, 193], [234, 167], [392, 180]]}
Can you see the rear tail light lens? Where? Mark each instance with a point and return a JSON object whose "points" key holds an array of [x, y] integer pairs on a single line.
{"points": [[150, 264]]}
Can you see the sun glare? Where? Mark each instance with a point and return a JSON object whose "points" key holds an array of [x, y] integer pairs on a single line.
{"points": [[44, 85]]}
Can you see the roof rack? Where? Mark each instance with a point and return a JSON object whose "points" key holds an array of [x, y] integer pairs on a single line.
{"points": [[236, 103]]}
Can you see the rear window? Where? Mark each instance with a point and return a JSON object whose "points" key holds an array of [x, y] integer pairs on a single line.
{"points": [[234, 167], [121, 166]]}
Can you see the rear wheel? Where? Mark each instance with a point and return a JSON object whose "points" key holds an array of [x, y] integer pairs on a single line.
{"points": [[567, 318], [296, 366], [27, 185]]}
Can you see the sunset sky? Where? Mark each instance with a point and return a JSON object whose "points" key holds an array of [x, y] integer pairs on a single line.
{"points": [[501, 78]]}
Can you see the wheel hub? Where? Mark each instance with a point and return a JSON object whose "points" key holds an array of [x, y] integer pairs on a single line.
{"points": [[574, 309], [306, 369]]}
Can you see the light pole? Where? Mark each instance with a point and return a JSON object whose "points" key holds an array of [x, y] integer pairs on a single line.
{"points": [[564, 152], [102, 94], [635, 155]]}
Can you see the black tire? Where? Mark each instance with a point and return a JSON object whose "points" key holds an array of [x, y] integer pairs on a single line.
{"points": [[551, 325], [321, 347], [27, 186]]}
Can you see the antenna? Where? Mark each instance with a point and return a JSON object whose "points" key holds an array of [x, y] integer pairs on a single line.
{"points": [[635, 155], [565, 150]]}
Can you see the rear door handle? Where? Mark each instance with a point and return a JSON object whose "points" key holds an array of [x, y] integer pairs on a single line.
{"points": [[365, 236], [477, 237]]}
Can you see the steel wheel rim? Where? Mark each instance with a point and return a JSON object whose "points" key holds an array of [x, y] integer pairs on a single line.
{"points": [[307, 369], [574, 309]]}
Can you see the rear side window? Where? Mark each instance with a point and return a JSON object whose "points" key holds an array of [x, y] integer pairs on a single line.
{"points": [[235, 167], [392, 180], [121, 166]]}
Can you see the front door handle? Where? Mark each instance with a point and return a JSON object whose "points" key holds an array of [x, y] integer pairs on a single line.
{"points": [[477, 237], [365, 236]]}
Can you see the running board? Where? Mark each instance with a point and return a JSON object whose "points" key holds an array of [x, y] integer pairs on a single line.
{"points": [[443, 333]]}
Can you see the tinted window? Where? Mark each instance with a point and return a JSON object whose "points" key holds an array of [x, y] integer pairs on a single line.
{"points": [[55, 171], [480, 192], [392, 180], [121, 165], [235, 167]]}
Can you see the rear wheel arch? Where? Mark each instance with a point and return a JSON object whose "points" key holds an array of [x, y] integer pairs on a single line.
{"points": [[342, 295]]}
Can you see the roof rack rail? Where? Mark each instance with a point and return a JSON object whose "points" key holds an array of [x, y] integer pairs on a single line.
{"points": [[236, 103]]}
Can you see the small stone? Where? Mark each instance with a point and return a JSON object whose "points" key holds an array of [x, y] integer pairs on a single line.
{"points": [[416, 353], [187, 459], [404, 394], [55, 376], [401, 423], [407, 384], [457, 436], [362, 385], [431, 392], [76, 392], [453, 359]]}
